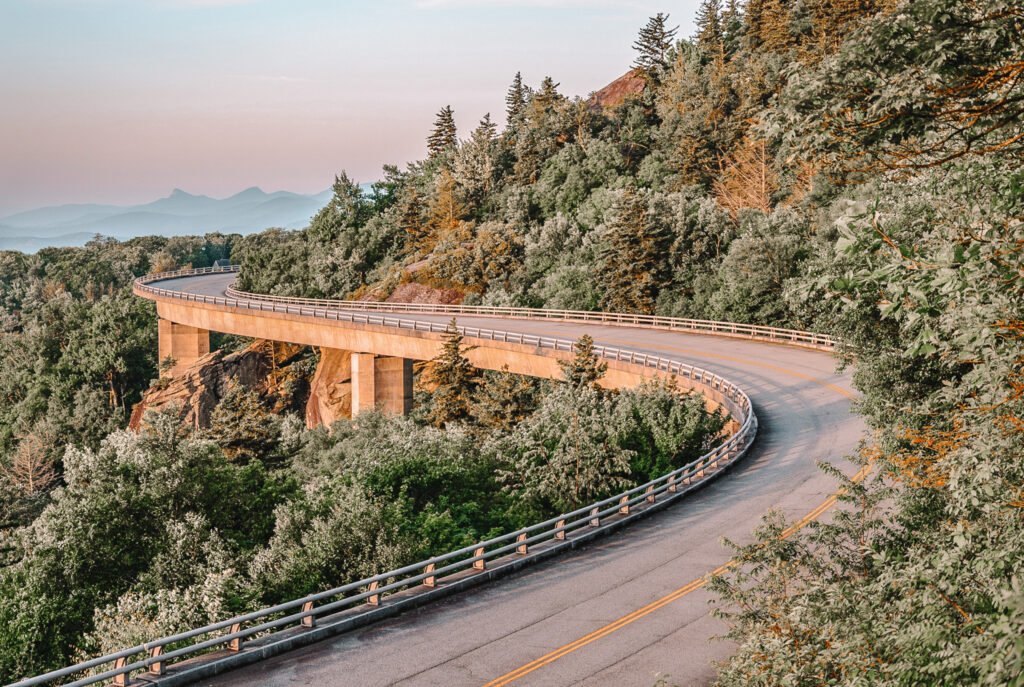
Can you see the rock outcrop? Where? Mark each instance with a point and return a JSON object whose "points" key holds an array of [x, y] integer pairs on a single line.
{"points": [[330, 392], [629, 85], [196, 391]]}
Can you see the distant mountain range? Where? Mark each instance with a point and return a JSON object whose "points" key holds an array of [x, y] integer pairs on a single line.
{"points": [[178, 214]]}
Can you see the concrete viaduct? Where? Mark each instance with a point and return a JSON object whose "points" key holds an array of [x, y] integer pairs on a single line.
{"points": [[624, 609]]}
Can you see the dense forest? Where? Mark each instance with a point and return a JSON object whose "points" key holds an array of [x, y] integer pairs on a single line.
{"points": [[854, 167]]}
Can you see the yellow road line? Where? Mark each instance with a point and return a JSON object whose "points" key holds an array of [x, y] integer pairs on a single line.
{"points": [[700, 582]]}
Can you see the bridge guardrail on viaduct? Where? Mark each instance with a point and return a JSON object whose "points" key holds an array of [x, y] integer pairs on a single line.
{"points": [[313, 617]]}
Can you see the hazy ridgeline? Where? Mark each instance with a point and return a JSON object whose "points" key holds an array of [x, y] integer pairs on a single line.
{"points": [[848, 167]]}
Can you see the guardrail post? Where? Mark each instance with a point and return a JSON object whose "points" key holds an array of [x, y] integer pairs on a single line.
{"points": [[479, 563], [430, 581], [158, 667], [560, 530], [235, 644], [522, 548], [121, 679], [672, 484], [594, 520], [651, 498], [373, 599], [308, 620], [624, 505]]}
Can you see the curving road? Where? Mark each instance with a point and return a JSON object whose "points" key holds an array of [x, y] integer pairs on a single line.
{"points": [[584, 614]]}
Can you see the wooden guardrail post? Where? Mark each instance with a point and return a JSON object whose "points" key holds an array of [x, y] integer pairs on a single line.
{"points": [[594, 520], [624, 505], [158, 667], [308, 620], [235, 643], [373, 599], [522, 548], [560, 530], [430, 581], [479, 563], [121, 679]]}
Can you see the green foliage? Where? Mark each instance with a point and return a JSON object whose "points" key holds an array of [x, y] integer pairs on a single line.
{"points": [[632, 256], [243, 428], [444, 137], [585, 368], [569, 452], [453, 379], [667, 428], [654, 45]]}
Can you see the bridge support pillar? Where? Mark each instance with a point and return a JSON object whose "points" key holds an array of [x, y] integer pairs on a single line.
{"points": [[181, 342], [381, 382]]}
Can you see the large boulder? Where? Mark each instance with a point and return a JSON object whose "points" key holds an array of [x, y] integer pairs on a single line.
{"points": [[196, 390], [330, 392]]}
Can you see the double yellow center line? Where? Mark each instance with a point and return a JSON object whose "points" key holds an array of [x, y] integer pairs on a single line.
{"points": [[693, 586]]}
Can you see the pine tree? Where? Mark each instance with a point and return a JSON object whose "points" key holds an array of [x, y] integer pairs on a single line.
{"points": [[585, 369], [732, 28], [446, 213], [242, 426], [410, 221], [504, 400], [347, 209], [31, 470], [654, 45], [516, 99], [454, 379], [710, 35], [444, 138], [774, 30], [548, 94], [474, 164], [747, 179], [633, 256]]}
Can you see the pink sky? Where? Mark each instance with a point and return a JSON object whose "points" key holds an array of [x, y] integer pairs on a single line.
{"points": [[119, 101]]}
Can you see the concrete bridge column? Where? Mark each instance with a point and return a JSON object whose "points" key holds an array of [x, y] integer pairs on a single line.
{"points": [[381, 382], [183, 343]]}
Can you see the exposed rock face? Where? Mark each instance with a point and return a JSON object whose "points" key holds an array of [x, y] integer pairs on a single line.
{"points": [[411, 292], [629, 85], [198, 389], [330, 392]]}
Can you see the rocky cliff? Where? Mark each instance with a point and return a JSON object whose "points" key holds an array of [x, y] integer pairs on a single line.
{"points": [[275, 370]]}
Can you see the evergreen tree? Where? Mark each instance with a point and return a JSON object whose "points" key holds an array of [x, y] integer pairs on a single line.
{"points": [[633, 256], [454, 379], [444, 219], [475, 164], [411, 222], [243, 427], [548, 94], [347, 209], [585, 369], [732, 28], [654, 45], [516, 99], [444, 137], [710, 35], [504, 400]]}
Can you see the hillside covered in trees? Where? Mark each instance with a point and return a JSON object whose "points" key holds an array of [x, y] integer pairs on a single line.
{"points": [[847, 166], [854, 167]]}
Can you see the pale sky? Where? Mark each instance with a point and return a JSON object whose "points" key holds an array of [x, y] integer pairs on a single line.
{"points": [[120, 101]]}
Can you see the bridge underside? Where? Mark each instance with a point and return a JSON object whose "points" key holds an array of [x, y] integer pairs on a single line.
{"points": [[381, 357], [374, 381]]}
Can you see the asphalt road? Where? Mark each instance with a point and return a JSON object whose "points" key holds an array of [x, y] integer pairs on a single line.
{"points": [[804, 408]]}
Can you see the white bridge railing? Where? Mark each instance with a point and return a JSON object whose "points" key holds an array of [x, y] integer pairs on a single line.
{"points": [[155, 656]]}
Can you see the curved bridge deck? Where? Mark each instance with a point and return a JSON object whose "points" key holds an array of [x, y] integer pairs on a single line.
{"points": [[588, 607]]}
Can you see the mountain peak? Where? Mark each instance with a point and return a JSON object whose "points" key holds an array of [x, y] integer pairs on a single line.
{"points": [[252, 191]]}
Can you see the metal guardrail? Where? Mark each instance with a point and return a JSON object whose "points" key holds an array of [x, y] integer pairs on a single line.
{"points": [[154, 657], [733, 329]]}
